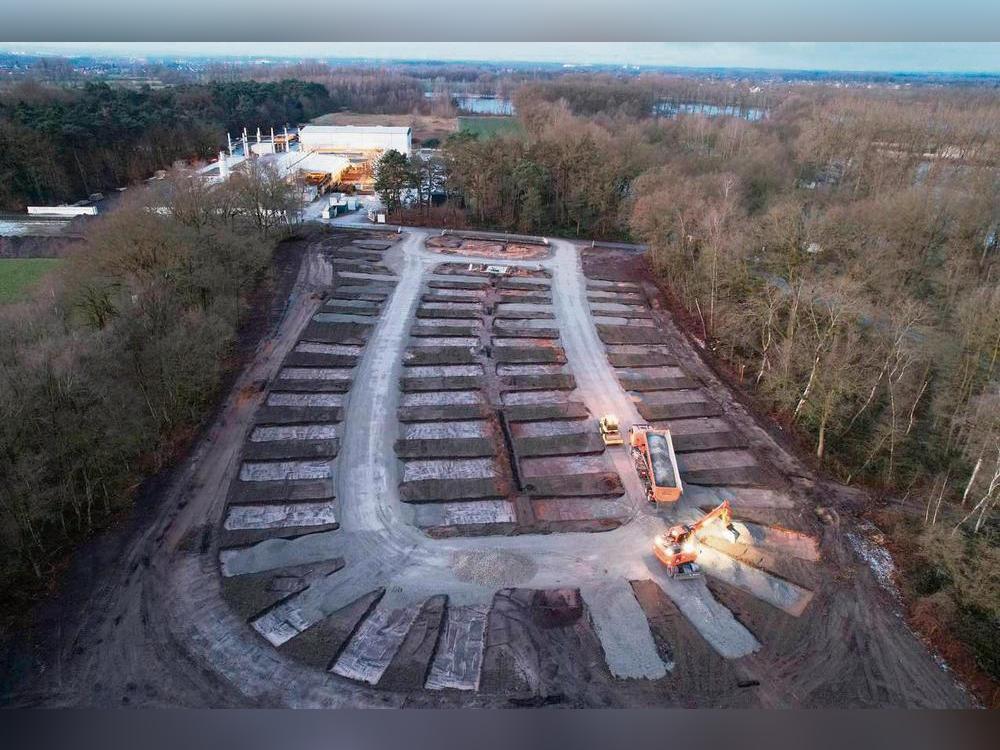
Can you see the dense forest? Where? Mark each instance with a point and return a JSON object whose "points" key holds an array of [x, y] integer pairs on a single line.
{"points": [[62, 144], [105, 375]]}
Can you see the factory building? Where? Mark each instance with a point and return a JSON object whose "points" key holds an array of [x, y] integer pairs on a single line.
{"points": [[367, 140]]}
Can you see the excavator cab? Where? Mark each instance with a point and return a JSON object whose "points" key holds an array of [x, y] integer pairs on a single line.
{"points": [[610, 431], [677, 548]]}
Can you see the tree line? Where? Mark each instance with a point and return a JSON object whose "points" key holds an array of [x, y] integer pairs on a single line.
{"points": [[108, 371], [60, 144]]}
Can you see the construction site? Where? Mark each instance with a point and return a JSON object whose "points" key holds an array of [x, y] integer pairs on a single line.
{"points": [[474, 470]]}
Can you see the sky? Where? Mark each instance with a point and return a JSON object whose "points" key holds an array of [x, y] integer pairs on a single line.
{"points": [[848, 56]]}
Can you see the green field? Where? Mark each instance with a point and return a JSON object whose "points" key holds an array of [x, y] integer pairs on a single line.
{"points": [[18, 275], [489, 126]]}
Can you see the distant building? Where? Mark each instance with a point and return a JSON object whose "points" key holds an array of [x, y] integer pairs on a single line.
{"points": [[369, 140]]}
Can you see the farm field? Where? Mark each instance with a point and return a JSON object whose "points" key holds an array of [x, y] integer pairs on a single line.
{"points": [[18, 275]]}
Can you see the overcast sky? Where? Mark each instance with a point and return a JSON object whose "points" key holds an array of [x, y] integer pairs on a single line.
{"points": [[902, 56]]}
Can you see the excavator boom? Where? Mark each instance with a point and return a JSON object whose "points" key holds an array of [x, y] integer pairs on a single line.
{"points": [[677, 548]]}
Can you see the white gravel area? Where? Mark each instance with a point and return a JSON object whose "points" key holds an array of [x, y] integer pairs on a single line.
{"points": [[526, 323], [632, 322], [465, 513], [273, 471], [563, 466], [443, 371], [443, 341], [441, 398], [305, 399], [294, 432], [458, 468], [455, 292], [504, 307], [500, 341], [278, 516], [446, 322], [532, 369], [317, 373], [470, 306], [517, 398], [315, 348], [547, 429], [435, 430]]}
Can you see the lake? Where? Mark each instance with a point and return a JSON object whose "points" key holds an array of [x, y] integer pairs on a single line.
{"points": [[672, 109]]}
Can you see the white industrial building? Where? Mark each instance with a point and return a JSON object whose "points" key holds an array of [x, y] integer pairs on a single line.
{"points": [[360, 139]]}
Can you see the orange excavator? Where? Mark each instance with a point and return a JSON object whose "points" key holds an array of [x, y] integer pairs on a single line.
{"points": [[677, 548]]}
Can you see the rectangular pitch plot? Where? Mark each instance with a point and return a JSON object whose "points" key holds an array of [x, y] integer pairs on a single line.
{"points": [[277, 471], [505, 370], [521, 398], [658, 384], [443, 355], [475, 428], [544, 324], [369, 652], [459, 657], [444, 371], [538, 412], [441, 413], [579, 509], [277, 450], [594, 484], [352, 350], [305, 399], [340, 318], [316, 373], [523, 332], [457, 314], [529, 355], [468, 341], [523, 315], [557, 382], [563, 466], [691, 435], [337, 333], [441, 398], [453, 490], [445, 448], [559, 445], [311, 386], [523, 342], [276, 493], [551, 428], [466, 468], [240, 517], [464, 513], [611, 334], [295, 432], [453, 305], [454, 284], [641, 359], [452, 383], [289, 415]]}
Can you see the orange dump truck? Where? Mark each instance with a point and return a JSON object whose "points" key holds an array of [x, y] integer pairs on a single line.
{"points": [[655, 462]]}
